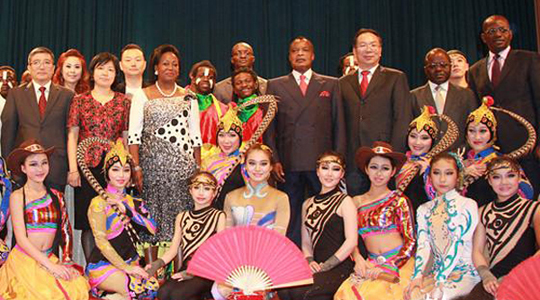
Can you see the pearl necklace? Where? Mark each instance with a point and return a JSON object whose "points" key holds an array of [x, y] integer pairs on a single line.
{"points": [[166, 95]]}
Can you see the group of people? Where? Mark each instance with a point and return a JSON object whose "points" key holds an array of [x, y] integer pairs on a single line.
{"points": [[394, 209]]}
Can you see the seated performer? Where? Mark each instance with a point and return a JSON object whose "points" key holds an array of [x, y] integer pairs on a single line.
{"points": [[386, 226], [246, 87], [443, 265], [509, 227], [40, 224], [192, 228], [328, 233], [5, 189], [481, 135], [113, 265]]}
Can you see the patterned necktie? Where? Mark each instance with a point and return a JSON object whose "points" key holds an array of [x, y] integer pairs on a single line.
{"points": [[303, 85], [439, 99], [42, 104], [495, 71], [364, 83]]}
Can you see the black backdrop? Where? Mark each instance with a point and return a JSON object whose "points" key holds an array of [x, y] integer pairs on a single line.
{"points": [[206, 29]]}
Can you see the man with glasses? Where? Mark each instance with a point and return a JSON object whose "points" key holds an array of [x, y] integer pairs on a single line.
{"points": [[39, 110], [512, 78], [454, 101], [376, 103]]}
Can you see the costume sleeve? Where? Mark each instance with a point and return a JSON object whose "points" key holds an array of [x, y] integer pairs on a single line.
{"points": [[283, 214], [402, 112], [136, 119], [463, 220], [138, 213], [195, 123], [404, 221], [67, 233], [97, 217], [423, 249], [126, 102], [74, 115]]}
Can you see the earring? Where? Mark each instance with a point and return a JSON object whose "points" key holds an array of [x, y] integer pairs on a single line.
{"points": [[155, 72]]}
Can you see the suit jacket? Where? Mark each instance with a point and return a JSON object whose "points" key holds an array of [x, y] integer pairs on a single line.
{"points": [[21, 121], [460, 102], [383, 114], [224, 89], [305, 126], [518, 91]]}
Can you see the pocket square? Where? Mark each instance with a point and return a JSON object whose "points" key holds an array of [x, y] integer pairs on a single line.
{"points": [[325, 94]]}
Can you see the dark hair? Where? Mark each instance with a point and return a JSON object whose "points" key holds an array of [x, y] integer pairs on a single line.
{"points": [[263, 148], [433, 51], [101, 59], [253, 75], [299, 38], [444, 156], [8, 68], [130, 47], [40, 49], [156, 57], [342, 62], [366, 30], [84, 83], [202, 63], [392, 161], [332, 153], [497, 161], [205, 174]]}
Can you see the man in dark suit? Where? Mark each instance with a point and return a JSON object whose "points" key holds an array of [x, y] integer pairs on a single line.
{"points": [[454, 101], [376, 102], [309, 121], [512, 78], [39, 110]]}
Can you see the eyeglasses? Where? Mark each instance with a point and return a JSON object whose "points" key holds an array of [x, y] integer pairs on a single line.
{"points": [[439, 64], [492, 31], [38, 63], [366, 45]]}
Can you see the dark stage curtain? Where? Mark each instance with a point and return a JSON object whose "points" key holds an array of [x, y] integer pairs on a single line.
{"points": [[206, 29]]}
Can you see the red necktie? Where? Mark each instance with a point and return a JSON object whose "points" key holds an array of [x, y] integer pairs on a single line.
{"points": [[364, 83], [303, 85], [495, 70], [42, 104]]}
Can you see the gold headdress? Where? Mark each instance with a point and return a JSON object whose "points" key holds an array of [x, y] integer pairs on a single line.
{"points": [[331, 159], [203, 178], [484, 115], [230, 121], [424, 122], [118, 153]]}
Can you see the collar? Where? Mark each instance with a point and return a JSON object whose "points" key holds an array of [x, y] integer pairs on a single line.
{"points": [[433, 86], [371, 71], [484, 153], [307, 73], [450, 195], [37, 86], [503, 54]]}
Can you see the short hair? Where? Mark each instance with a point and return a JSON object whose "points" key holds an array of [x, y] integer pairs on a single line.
{"points": [[7, 68], [100, 59], [130, 47], [500, 162], [456, 52], [202, 63], [84, 83], [301, 37], [342, 62], [38, 50], [430, 52], [253, 75], [156, 57], [367, 30]]}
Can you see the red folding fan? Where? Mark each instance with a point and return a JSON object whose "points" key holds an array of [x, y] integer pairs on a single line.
{"points": [[523, 282], [251, 258]]}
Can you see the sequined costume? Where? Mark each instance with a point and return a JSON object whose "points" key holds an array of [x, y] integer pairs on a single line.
{"points": [[22, 277], [197, 226], [510, 236], [211, 110], [167, 130], [387, 215], [262, 205], [114, 251], [480, 190], [445, 233], [327, 233]]}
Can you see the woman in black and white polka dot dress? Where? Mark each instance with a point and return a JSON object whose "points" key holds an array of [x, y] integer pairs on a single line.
{"points": [[164, 140]]}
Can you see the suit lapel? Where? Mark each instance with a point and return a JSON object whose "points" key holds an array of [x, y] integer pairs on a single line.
{"points": [[31, 100], [353, 81], [428, 96], [376, 80], [314, 87], [292, 88], [51, 102], [508, 65], [484, 75]]}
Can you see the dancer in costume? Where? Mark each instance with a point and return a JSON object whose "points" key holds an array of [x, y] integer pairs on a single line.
{"points": [[246, 87], [481, 136], [40, 225], [443, 265], [113, 265], [164, 137], [328, 233], [386, 226], [509, 227], [258, 203], [6, 187], [192, 229]]}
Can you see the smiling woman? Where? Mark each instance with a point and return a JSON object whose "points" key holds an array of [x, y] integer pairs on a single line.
{"points": [[71, 72]]}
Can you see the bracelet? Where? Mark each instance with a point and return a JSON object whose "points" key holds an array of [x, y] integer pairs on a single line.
{"points": [[73, 172], [137, 168]]}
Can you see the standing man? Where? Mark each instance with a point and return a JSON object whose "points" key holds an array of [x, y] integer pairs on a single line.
{"points": [[309, 121], [241, 57], [454, 101], [8, 80], [39, 110], [512, 78], [132, 64], [377, 105]]}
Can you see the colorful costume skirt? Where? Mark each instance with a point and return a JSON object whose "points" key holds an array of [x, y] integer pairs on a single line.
{"points": [[136, 288], [354, 289], [4, 252], [22, 277]]}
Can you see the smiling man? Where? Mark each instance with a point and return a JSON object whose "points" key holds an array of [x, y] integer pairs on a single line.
{"points": [[454, 101], [309, 122]]}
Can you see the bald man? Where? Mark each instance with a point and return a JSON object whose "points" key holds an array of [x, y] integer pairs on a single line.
{"points": [[241, 57]]}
